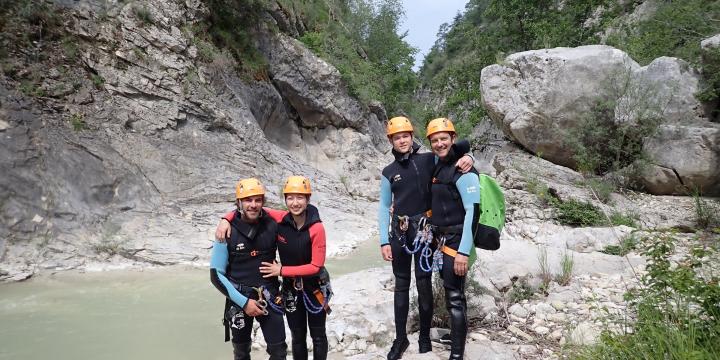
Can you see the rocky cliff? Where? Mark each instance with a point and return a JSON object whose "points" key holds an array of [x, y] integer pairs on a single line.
{"points": [[128, 149]]}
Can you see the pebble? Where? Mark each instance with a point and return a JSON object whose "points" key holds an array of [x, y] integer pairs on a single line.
{"points": [[541, 330]]}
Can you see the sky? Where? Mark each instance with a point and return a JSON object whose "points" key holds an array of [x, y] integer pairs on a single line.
{"points": [[423, 19]]}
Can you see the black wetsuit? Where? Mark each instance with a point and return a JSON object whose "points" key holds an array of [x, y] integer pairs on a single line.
{"points": [[455, 208], [235, 273], [302, 251], [406, 184]]}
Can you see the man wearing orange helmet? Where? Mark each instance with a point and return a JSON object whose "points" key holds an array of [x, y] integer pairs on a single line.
{"points": [[405, 184], [455, 206], [306, 283], [234, 271]]}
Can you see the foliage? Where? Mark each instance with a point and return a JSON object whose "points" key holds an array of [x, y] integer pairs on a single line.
{"points": [[567, 263], [601, 145], [520, 291], [143, 14], [706, 211], [578, 213], [360, 38], [675, 29], [77, 121], [601, 189], [97, 80], [229, 27], [545, 273], [617, 218], [626, 245], [677, 307]]}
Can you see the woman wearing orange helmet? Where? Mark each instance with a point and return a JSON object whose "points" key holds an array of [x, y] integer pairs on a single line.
{"points": [[306, 284], [455, 206], [405, 184]]}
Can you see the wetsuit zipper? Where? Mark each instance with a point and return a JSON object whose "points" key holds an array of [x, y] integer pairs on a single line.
{"points": [[417, 180]]}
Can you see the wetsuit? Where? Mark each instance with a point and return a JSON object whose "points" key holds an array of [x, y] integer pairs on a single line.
{"points": [[234, 270], [455, 208], [302, 253], [406, 184]]}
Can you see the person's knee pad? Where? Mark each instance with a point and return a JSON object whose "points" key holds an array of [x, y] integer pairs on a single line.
{"points": [[402, 283], [298, 335], [241, 351], [277, 351]]}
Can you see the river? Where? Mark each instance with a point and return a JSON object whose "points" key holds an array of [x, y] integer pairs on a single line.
{"points": [[163, 313]]}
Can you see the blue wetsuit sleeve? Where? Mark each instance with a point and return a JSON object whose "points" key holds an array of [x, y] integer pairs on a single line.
{"points": [[469, 187], [218, 262], [384, 210]]}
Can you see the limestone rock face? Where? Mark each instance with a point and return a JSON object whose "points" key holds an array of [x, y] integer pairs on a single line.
{"points": [[150, 140]]}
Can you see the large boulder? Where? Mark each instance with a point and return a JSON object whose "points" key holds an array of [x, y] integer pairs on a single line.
{"points": [[539, 97], [534, 96], [684, 158]]}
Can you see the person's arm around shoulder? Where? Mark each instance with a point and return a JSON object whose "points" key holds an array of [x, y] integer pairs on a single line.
{"points": [[223, 229], [384, 218], [468, 186]]}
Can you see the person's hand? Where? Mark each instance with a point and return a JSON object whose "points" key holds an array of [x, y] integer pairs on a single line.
{"points": [[386, 251], [461, 265], [465, 163], [252, 308], [222, 231], [270, 269]]}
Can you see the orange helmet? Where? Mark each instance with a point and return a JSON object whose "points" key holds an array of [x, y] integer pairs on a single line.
{"points": [[439, 125], [297, 185], [249, 187], [398, 124]]}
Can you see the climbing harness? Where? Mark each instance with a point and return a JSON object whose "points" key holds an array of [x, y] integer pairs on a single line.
{"points": [[322, 296], [275, 303], [235, 317]]}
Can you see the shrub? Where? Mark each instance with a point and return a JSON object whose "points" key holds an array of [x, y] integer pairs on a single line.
{"points": [[627, 245], [706, 211], [77, 121], [545, 273], [520, 291], [600, 189], [578, 213], [143, 14], [676, 308], [617, 219], [567, 263]]}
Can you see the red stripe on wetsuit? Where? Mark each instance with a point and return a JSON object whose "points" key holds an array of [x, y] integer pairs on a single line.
{"points": [[316, 232]]}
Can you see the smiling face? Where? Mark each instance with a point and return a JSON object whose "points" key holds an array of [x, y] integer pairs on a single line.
{"points": [[251, 207], [296, 203], [402, 141], [441, 143]]}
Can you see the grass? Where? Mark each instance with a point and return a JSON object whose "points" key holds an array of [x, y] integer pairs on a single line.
{"points": [[143, 14], [601, 189], [706, 211], [78, 122], [627, 245], [617, 218], [578, 213], [545, 273], [97, 80], [567, 263], [520, 291]]}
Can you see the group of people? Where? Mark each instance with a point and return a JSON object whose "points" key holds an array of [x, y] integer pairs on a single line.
{"points": [[428, 203]]}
